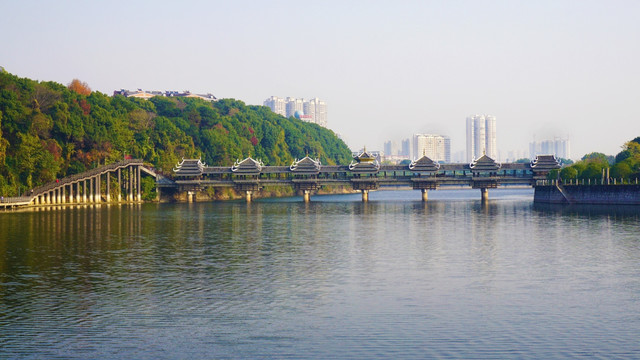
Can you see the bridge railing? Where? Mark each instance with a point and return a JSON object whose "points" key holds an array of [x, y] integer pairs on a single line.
{"points": [[87, 174]]}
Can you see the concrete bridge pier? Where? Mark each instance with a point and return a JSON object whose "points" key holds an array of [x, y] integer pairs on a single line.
{"points": [[248, 194], [137, 171], [484, 193], [190, 196], [425, 195], [108, 185], [98, 196], [84, 191], [119, 186], [306, 196], [365, 195]]}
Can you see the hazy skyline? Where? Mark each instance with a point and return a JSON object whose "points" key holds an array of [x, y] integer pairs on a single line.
{"points": [[386, 70]]}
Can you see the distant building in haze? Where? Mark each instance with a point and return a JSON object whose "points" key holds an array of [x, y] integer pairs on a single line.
{"points": [[481, 137], [146, 95], [436, 147], [559, 147], [314, 110]]}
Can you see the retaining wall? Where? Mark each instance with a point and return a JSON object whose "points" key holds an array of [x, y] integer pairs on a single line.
{"points": [[589, 194]]}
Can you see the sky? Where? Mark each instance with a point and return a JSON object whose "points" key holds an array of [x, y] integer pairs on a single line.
{"points": [[386, 69]]}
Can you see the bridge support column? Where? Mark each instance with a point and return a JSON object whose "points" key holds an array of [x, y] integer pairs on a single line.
{"points": [[248, 195], [70, 198], [365, 195], [119, 185], [306, 196], [190, 196], [484, 192], [425, 195], [84, 191], [78, 195], [137, 170], [98, 192], [130, 184], [108, 185], [91, 190]]}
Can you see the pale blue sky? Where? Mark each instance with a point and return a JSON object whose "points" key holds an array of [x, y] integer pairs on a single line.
{"points": [[386, 69]]}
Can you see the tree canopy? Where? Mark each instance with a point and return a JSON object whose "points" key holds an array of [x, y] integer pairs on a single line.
{"points": [[48, 131], [625, 165]]}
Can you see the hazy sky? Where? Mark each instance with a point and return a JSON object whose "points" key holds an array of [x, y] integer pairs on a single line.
{"points": [[387, 69]]}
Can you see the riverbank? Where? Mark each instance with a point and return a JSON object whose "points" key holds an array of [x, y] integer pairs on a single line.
{"points": [[588, 194]]}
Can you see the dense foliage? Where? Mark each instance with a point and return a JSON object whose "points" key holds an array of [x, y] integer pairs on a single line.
{"points": [[625, 165], [48, 131]]}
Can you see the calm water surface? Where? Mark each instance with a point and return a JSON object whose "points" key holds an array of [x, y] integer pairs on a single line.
{"points": [[335, 278]]}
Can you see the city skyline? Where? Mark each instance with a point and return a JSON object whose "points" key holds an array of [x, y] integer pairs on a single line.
{"points": [[544, 68]]}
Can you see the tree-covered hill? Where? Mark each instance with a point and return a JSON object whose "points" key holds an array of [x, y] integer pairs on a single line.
{"points": [[49, 131]]}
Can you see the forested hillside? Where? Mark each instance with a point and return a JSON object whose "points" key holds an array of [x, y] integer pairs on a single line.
{"points": [[49, 131]]}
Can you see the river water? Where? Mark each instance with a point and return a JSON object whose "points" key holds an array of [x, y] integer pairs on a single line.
{"points": [[393, 278]]}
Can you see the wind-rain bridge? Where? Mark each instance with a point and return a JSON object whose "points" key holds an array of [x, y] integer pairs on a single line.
{"points": [[363, 174], [306, 176]]}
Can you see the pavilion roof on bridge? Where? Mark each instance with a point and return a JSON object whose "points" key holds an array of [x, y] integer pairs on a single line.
{"points": [[545, 162], [306, 165], [189, 167], [365, 157], [424, 164], [484, 163], [247, 166], [364, 162]]}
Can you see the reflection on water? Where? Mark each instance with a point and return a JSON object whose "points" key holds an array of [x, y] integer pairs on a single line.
{"points": [[392, 278]]}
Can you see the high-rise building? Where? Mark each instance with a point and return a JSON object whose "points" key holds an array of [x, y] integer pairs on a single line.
{"points": [[317, 109], [406, 148], [558, 146], [277, 105], [314, 110], [436, 147], [481, 137]]}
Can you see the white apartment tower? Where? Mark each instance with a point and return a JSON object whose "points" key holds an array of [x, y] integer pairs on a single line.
{"points": [[436, 147], [314, 110], [277, 105], [481, 137]]}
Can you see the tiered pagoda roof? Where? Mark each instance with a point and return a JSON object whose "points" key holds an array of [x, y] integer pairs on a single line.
{"points": [[364, 162], [545, 163], [189, 167], [306, 165], [484, 163], [424, 164], [247, 166]]}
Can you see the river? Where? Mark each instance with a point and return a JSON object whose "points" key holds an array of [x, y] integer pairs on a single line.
{"points": [[453, 278]]}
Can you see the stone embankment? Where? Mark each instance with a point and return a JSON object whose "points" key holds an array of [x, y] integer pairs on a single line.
{"points": [[628, 194]]}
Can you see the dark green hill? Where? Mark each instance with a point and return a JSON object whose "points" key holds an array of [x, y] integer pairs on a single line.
{"points": [[49, 131]]}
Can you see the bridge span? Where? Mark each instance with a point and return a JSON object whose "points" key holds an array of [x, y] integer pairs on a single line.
{"points": [[121, 181], [116, 182], [363, 174]]}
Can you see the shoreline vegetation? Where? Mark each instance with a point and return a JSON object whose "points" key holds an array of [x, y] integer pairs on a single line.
{"points": [[49, 131]]}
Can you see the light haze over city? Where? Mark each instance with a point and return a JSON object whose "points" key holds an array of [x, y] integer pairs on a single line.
{"points": [[387, 70]]}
